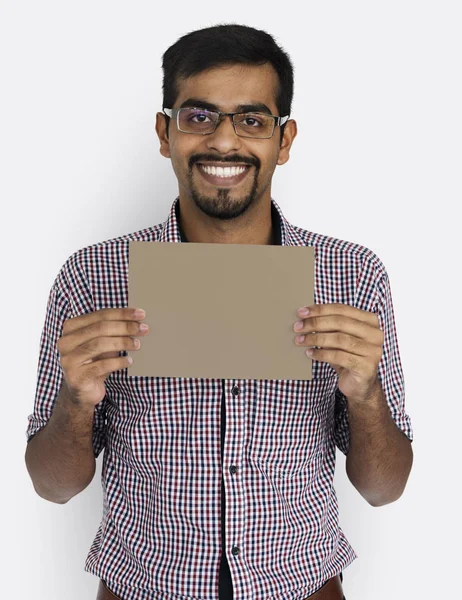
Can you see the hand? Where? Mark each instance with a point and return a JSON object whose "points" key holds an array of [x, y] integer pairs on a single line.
{"points": [[89, 350], [350, 340]]}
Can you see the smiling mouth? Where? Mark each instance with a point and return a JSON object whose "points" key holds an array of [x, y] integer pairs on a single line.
{"points": [[224, 176]]}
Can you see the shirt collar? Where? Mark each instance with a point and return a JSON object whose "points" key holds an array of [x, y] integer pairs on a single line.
{"points": [[284, 232]]}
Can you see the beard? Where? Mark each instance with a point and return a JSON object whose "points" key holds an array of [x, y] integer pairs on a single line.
{"points": [[220, 205]]}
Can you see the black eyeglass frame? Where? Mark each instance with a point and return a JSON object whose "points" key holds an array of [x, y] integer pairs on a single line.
{"points": [[174, 112]]}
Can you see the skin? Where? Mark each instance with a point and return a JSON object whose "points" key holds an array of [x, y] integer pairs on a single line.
{"points": [[349, 339], [240, 214]]}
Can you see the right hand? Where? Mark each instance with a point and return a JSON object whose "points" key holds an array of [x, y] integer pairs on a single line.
{"points": [[89, 350]]}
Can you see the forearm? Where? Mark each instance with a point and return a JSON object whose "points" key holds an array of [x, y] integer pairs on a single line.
{"points": [[380, 455], [60, 458]]}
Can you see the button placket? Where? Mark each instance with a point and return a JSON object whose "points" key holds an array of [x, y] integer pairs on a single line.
{"points": [[235, 391]]}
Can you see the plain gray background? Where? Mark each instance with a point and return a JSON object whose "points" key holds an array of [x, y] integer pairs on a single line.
{"points": [[377, 161]]}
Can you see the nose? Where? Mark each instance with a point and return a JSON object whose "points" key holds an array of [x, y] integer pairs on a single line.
{"points": [[224, 139]]}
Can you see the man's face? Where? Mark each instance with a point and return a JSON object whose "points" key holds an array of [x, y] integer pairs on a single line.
{"points": [[226, 88]]}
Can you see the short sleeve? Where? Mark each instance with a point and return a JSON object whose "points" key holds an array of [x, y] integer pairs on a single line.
{"points": [[50, 373], [390, 371]]}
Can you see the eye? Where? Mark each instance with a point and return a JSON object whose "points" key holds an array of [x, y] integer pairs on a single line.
{"points": [[198, 116], [252, 121]]}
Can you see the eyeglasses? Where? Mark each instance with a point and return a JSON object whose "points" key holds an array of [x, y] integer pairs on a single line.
{"points": [[204, 122]]}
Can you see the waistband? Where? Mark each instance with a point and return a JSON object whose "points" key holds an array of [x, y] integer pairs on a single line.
{"points": [[331, 590]]}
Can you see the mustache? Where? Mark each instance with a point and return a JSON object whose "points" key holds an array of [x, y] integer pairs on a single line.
{"points": [[231, 159]]}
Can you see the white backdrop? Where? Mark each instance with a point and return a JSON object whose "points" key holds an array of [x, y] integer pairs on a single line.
{"points": [[377, 161]]}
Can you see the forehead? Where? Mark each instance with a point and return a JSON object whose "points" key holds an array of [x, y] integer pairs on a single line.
{"points": [[228, 86]]}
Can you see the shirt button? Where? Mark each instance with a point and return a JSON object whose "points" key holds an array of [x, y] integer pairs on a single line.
{"points": [[232, 469], [235, 391], [235, 550]]}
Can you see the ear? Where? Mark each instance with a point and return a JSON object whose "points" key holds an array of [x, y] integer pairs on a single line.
{"points": [[161, 129], [290, 131]]}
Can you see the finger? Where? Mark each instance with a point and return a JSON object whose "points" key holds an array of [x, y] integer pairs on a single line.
{"points": [[340, 323], [98, 329], [105, 314], [341, 341], [343, 309], [113, 354], [93, 349], [356, 364]]}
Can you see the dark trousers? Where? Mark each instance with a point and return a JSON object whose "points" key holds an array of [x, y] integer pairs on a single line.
{"points": [[226, 587], [341, 579], [105, 594]]}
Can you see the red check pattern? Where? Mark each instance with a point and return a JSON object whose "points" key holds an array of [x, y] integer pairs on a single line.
{"points": [[160, 534]]}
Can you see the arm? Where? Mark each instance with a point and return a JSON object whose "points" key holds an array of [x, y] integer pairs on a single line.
{"points": [[380, 456], [60, 458]]}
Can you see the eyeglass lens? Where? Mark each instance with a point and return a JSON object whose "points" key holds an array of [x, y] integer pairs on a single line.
{"points": [[194, 120]]}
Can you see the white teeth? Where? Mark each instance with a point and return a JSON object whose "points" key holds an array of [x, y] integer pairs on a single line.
{"points": [[223, 171]]}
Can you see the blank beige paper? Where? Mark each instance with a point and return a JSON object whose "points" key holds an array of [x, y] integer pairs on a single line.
{"points": [[220, 311]]}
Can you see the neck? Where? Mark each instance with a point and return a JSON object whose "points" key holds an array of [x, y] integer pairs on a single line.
{"points": [[252, 227]]}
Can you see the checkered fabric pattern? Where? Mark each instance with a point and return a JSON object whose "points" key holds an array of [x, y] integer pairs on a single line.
{"points": [[160, 534]]}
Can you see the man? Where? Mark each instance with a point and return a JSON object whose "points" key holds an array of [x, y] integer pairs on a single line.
{"points": [[225, 127]]}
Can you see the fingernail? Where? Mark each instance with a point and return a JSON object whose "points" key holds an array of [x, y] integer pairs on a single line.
{"points": [[303, 312]]}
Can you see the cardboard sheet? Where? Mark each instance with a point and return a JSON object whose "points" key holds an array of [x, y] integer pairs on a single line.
{"points": [[220, 310]]}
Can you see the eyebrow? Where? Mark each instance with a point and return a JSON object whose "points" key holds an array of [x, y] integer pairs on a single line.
{"points": [[252, 107]]}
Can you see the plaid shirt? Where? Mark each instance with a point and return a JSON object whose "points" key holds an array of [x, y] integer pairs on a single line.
{"points": [[162, 472]]}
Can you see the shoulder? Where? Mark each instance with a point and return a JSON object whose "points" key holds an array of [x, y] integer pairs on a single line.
{"points": [[110, 255], [331, 250]]}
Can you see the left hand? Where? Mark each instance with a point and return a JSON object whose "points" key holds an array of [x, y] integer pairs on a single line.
{"points": [[350, 340]]}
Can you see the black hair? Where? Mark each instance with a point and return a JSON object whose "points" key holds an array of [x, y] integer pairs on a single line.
{"points": [[223, 44]]}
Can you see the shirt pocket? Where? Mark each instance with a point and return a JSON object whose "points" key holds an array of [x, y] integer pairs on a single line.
{"points": [[289, 423]]}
